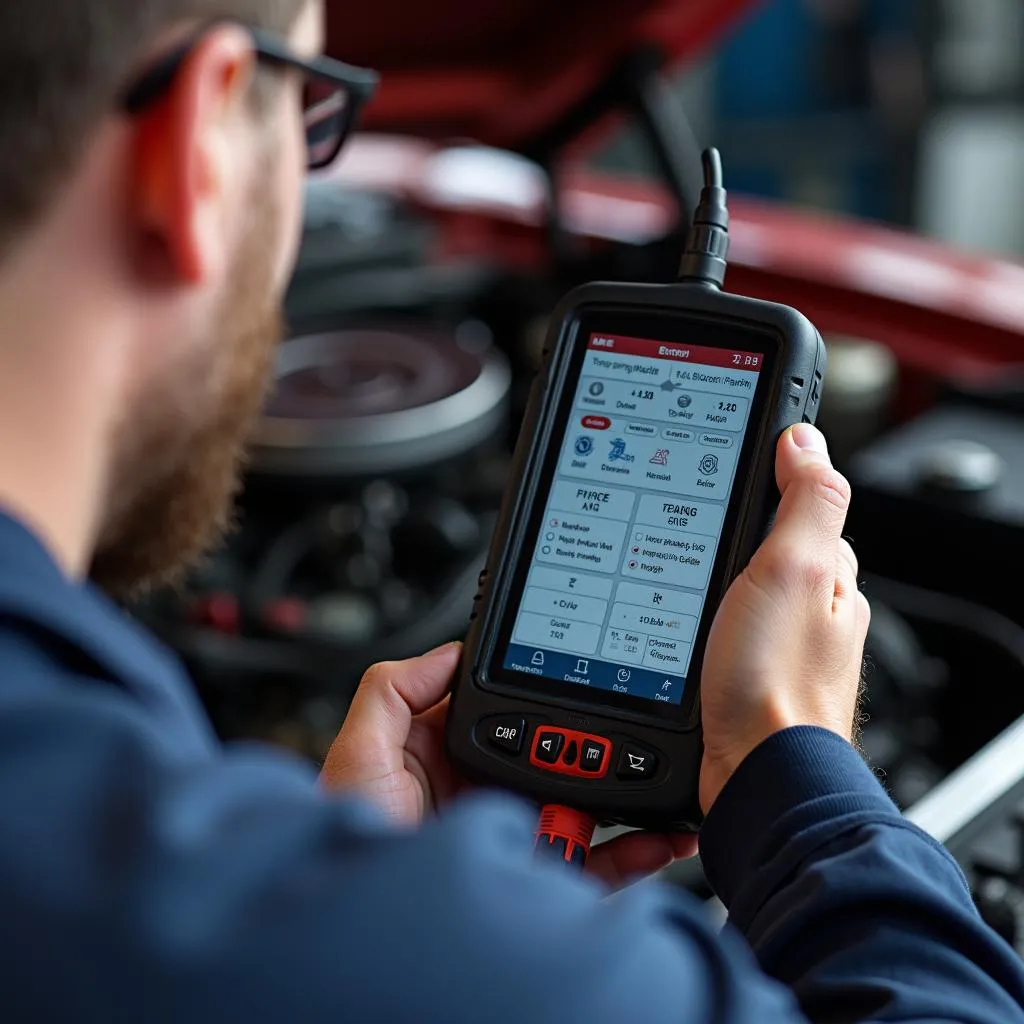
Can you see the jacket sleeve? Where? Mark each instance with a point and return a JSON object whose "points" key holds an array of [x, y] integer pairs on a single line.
{"points": [[861, 914], [138, 885]]}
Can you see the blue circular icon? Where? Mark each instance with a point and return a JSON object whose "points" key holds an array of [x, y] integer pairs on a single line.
{"points": [[584, 445]]}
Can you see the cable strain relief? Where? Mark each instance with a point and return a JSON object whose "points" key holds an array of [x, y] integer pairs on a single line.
{"points": [[713, 207], [566, 821], [705, 257], [564, 833]]}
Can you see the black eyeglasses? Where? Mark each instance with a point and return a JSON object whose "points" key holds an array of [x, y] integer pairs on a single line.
{"points": [[334, 93]]}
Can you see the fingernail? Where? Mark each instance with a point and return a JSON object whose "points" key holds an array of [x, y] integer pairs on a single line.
{"points": [[809, 438], [443, 649]]}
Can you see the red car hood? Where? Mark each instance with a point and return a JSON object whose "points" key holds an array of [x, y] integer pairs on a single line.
{"points": [[503, 72], [500, 72]]}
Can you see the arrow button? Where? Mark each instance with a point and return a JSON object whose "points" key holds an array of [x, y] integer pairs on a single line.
{"points": [[635, 763], [549, 746]]}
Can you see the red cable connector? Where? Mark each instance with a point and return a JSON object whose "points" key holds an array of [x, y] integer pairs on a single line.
{"points": [[564, 834]]}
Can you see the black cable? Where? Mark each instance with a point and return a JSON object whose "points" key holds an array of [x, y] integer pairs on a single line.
{"points": [[956, 613], [707, 245], [670, 137], [711, 162]]}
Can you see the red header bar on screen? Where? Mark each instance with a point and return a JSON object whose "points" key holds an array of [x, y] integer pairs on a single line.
{"points": [[617, 345]]}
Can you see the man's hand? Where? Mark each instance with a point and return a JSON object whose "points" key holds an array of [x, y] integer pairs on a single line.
{"points": [[391, 747], [787, 644], [391, 750]]}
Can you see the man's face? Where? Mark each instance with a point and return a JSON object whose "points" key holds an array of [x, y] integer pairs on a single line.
{"points": [[181, 445]]}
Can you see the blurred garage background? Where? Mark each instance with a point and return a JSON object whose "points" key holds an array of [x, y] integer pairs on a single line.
{"points": [[874, 150]]}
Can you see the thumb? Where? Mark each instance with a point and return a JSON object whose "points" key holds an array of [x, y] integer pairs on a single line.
{"points": [[393, 692], [815, 497]]}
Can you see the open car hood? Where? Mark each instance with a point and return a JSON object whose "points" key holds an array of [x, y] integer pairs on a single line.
{"points": [[504, 72]]}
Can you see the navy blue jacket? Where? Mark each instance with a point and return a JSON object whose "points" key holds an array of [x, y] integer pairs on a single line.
{"points": [[148, 874]]}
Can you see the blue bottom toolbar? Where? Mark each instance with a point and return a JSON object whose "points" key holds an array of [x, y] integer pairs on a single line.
{"points": [[601, 675]]}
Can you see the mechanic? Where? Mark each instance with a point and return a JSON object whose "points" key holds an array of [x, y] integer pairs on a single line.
{"points": [[148, 873]]}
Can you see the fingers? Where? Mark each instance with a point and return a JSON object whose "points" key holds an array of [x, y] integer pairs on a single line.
{"points": [[848, 588], [848, 585], [848, 558], [804, 542], [630, 857], [846, 571], [863, 615], [815, 497], [392, 692]]}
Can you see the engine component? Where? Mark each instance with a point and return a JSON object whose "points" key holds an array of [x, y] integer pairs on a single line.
{"points": [[376, 401], [960, 467], [364, 525], [940, 503], [978, 813], [945, 675], [860, 385]]}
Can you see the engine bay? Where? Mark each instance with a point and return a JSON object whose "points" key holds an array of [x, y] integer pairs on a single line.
{"points": [[425, 279], [380, 463]]}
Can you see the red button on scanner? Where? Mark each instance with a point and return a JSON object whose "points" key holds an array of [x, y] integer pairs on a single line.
{"points": [[568, 752]]}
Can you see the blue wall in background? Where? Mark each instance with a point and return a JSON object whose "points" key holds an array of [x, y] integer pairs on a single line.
{"points": [[763, 69], [767, 80]]}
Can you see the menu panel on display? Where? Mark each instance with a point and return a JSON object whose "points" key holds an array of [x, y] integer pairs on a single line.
{"points": [[622, 563]]}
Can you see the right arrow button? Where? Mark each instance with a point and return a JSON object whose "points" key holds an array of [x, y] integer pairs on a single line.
{"points": [[635, 762]]}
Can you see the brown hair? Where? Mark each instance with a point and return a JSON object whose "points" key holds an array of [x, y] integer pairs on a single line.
{"points": [[62, 65]]}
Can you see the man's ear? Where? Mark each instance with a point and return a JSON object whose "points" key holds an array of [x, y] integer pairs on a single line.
{"points": [[190, 157]]}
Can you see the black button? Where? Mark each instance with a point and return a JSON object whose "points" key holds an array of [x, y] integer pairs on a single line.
{"points": [[507, 734], [636, 763], [549, 746], [571, 753], [591, 756]]}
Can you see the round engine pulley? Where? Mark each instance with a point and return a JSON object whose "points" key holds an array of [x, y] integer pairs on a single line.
{"points": [[377, 401]]}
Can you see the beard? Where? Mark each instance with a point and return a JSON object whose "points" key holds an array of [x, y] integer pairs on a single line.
{"points": [[180, 452]]}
